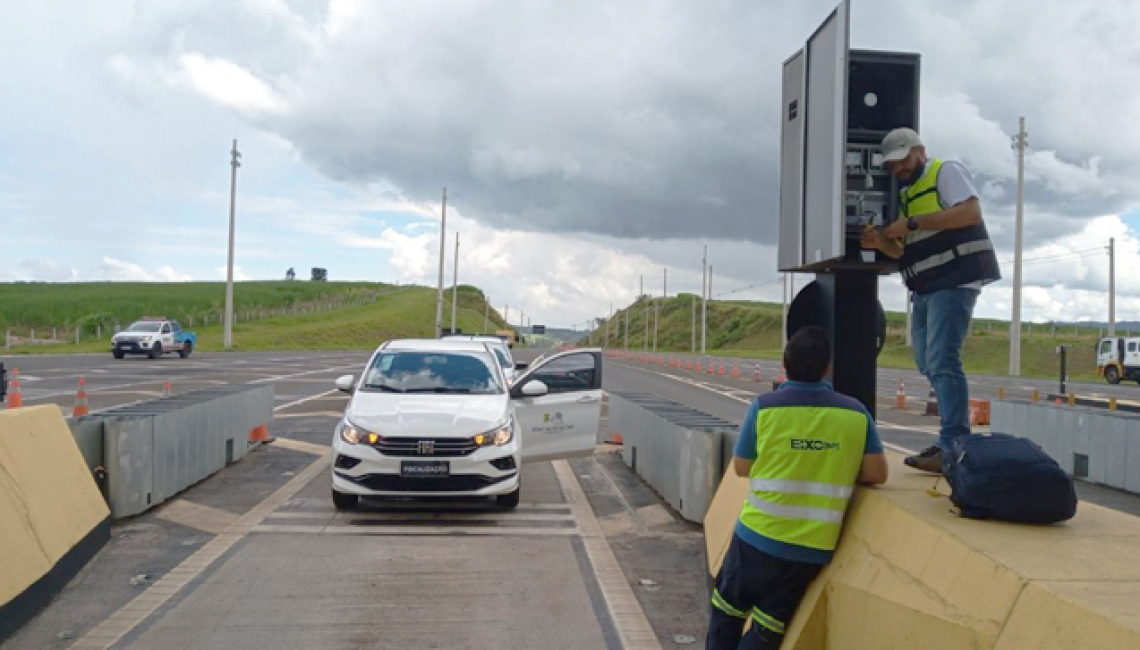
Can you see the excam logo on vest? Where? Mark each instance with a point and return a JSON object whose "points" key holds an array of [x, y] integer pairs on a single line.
{"points": [[813, 445]]}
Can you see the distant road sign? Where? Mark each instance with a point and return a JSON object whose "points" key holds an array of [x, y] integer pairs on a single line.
{"points": [[538, 329]]}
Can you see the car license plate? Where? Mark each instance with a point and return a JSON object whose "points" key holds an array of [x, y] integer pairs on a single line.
{"points": [[424, 468]]}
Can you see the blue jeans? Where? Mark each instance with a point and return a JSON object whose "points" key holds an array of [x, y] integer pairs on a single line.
{"points": [[939, 324]]}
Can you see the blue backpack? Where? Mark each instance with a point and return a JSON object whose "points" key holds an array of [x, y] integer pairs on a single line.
{"points": [[1003, 477]]}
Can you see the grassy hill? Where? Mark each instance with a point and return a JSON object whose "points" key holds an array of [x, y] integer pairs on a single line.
{"points": [[752, 329], [272, 315]]}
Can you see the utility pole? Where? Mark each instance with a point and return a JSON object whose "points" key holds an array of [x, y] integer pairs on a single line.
{"points": [[641, 292], [507, 315], [693, 327], [1015, 321], [609, 324], [704, 297], [1112, 286], [627, 313], [455, 285], [442, 253], [228, 328], [486, 313], [784, 327], [706, 324]]}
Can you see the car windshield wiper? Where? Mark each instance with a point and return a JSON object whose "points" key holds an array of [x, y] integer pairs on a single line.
{"points": [[386, 387], [439, 389]]}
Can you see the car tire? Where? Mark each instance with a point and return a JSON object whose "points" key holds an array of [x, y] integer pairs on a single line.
{"points": [[187, 348], [156, 351], [1112, 375], [118, 355], [509, 500], [342, 501]]}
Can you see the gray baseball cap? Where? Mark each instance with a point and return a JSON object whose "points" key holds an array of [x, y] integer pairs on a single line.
{"points": [[898, 144]]}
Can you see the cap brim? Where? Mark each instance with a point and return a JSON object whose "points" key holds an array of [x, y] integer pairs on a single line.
{"points": [[897, 154]]}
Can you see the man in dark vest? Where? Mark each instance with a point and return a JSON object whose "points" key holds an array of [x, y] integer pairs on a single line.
{"points": [[946, 257]]}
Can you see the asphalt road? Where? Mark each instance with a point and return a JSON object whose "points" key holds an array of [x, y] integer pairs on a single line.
{"points": [[256, 556]]}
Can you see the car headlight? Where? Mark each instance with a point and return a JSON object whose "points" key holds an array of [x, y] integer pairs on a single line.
{"points": [[498, 436], [357, 435]]}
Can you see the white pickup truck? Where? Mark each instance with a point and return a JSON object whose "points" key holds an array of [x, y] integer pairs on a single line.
{"points": [[153, 336]]}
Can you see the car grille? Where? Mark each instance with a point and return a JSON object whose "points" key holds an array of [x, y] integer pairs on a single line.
{"points": [[397, 483], [413, 447]]}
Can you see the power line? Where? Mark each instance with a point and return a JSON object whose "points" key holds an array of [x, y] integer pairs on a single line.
{"points": [[751, 286]]}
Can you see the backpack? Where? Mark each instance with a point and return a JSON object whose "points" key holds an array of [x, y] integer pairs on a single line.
{"points": [[999, 476]]}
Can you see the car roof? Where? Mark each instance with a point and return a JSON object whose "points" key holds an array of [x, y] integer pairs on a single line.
{"points": [[474, 337], [433, 345]]}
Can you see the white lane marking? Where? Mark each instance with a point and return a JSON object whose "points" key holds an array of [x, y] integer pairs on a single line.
{"points": [[305, 399], [629, 618], [302, 374], [458, 531], [301, 445], [898, 448], [312, 414], [131, 615]]}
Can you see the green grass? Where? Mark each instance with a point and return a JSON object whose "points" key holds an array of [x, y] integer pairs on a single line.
{"points": [[393, 312], [752, 330]]}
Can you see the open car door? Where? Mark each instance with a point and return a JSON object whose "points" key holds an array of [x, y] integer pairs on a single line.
{"points": [[563, 422]]}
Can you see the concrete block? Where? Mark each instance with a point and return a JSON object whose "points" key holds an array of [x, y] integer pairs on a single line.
{"points": [[1116, 452], [52, 517]]}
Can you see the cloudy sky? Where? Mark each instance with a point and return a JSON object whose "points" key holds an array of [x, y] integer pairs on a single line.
{"points": [[583, 144]]}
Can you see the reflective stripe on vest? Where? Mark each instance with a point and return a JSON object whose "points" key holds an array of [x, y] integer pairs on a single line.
{"points": [[807, 460], [940, 259]]}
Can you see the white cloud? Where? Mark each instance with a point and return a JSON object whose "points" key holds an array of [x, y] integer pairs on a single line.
{"points": [[239, 275], [229, 84], [117, 270]]}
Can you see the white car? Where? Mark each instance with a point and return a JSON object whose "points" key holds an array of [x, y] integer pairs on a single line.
{"points": [[497, 345], [436, 418]]}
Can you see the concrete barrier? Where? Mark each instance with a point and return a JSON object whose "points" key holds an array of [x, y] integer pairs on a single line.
{"points": [[677, 450], [1090, 443], [52, 516], [909, 573]]}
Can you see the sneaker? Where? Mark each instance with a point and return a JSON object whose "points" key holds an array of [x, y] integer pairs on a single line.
{"points": [[930, 460]]}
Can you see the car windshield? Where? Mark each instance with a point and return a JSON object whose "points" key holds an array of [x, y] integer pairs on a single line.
{"points": [[145, 326], [503, 360], [432, 372]]}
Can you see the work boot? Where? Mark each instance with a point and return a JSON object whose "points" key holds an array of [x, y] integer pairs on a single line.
{"points": [[929, 460]]}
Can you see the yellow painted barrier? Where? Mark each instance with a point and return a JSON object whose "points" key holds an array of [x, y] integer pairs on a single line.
{"points": [[52, 516], [909, 573]]}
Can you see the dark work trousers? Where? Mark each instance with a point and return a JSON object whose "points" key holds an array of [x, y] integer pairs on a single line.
{"points": [[753, 584]]}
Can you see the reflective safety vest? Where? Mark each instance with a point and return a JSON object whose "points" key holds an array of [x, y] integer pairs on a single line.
{"points": [[807, 460], [933, 260]]}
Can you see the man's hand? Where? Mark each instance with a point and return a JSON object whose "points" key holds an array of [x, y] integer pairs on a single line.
{"points": [[872, 238], [897, 230]]}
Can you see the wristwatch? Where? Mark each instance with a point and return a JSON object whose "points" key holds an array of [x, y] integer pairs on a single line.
{"points": [[911, 224]]}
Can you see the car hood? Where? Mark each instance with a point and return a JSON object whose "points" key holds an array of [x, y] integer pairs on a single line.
{"points": [[427, 415]]}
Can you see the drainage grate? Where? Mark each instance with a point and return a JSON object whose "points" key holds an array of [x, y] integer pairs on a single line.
{"points": [[1080, 465]]}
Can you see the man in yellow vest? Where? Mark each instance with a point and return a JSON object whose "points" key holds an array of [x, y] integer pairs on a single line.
{"points": [[946, 257], [803, 447]]}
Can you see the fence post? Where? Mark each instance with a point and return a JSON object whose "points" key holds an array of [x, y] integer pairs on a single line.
{"points": [[77, 335], [53, 334], [33, 336]]}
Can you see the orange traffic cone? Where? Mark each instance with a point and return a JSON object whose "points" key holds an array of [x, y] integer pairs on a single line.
{"points": [[757, 376], [900, 396], [720, 371], [712, 367], [15, 398], [735, 369], [688, 364], [80, 400], [698, 365], [166, 388], [260, 434]]}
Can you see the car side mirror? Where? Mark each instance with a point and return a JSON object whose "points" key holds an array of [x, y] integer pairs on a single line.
{"points": [[534, 388], [521, 366], [345, 383]]}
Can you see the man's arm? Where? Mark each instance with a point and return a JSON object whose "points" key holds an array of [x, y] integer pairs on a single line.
{"points": [[966, 213], [873, 470], [742, 466]]}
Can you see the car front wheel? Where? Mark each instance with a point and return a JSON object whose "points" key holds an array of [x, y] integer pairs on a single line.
{"points": [[342, 501], [509, 500], [187, 348], [118, 355], [156, 351], [1112, 375]]}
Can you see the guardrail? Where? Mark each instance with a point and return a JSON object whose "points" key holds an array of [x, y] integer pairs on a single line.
{"points": [[152, 450], [679, 451]]}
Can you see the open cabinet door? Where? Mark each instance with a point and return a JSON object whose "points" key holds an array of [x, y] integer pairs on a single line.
{"points": [[564, 422]]}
